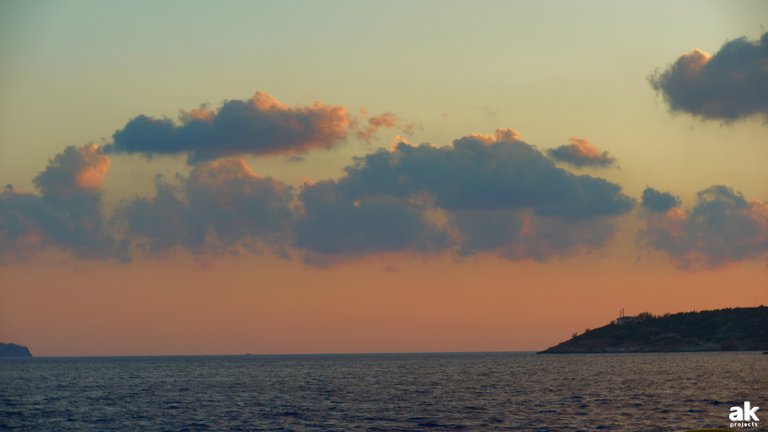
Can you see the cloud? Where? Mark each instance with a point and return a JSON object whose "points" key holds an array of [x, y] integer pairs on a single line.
{"points": [[259, 126], [222, 206], [721, 228], [493, 194], [73, 170], [384, 121], [580, 153], [66, 214], [20, 235], [483, 172], [484, 194], [373, 124], [729, 85], [335, 226], [520, 234], [657, 201]]}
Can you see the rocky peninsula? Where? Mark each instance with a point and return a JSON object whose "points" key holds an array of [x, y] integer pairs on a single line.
{"points": [[13, 350], [736, 329]]}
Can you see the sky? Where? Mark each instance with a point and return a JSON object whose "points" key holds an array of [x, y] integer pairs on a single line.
{"points": [[336, 177]]}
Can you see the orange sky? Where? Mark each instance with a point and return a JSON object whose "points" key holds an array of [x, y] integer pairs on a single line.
{"points": [[384, 304]]}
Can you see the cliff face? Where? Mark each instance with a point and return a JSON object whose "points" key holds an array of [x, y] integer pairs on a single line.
{"points": [[13, 350], [739, 329]]}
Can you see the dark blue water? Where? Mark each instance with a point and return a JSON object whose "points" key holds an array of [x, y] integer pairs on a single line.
{"points": [[389, 392]]}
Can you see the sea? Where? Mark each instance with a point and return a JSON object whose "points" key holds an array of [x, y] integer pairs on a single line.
{"points": [[384, 392]]}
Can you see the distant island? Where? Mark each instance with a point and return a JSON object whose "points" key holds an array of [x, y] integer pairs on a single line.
{"points": [[737, 329], [13, 350]]}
